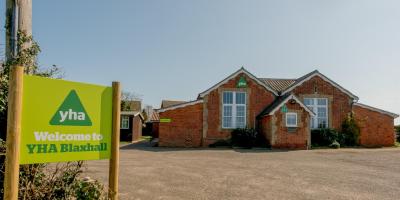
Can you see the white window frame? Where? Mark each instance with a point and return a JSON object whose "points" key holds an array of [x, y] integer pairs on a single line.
{"points": [[287, 116], [314, 107], [234, 106], [125, 118]]}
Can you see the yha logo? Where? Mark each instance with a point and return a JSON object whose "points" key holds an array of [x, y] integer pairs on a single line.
{"points": [[71, 115], [71, 112]]}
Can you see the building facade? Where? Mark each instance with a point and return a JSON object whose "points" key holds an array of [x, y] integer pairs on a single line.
{"points": [[283, 110], [131, 126]]}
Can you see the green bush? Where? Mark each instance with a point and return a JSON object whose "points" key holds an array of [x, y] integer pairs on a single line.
{"points": [[350, 131], [88, 189], [349, 135], [324, 137], [397, 128], [335, 145], [244, 137]]}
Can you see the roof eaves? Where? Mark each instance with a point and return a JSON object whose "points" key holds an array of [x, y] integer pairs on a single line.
{"points": [[394, 115], [308, 76], [270, 110], [181, 105]]}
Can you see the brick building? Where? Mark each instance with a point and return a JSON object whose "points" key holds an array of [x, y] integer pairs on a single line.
{"points": [[283, 110]]}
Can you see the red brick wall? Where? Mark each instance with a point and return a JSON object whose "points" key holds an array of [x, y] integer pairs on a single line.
{"points": [[154, 129], [377, 129], [258, 99], [292, 140], [136, 128], [185, 129], [265, 127], [340, 101]]}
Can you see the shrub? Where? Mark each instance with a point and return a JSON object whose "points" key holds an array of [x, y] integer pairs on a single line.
{"points": [[244, 137], [398, 132], [324, 137], [335, 145], [41, 181], [89, 189], [350, 131]]}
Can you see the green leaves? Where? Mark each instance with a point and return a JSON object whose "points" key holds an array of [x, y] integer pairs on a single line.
{"points": [[27, 57]]}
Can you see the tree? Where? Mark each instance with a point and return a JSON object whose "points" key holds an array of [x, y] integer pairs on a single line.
{"points": [[144, 114], [26, 55], [350, 131], [127, 98]]}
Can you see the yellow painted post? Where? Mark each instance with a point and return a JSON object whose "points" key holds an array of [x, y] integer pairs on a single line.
{"points": [[114, 161], [13, 133]]}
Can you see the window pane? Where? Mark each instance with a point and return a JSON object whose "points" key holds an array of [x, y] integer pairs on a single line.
{"points": [[125, 122], [228, 98], [312, 123], [240, 116], [228, 111], [322, 123], [291, 119], [308, 102], [321, 112], [240, 98], [227, 118], [322, 102], [234, 109], [240, 122], [240, 111], [227, 122]]}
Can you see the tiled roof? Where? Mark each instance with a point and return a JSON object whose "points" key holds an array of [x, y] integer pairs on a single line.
{"points": [[181, 105], [155, 117], [279, 102], [273, 105], [169, 103], [278, 84]]}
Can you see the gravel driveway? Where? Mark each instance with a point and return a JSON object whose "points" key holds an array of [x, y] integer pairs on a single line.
{"points": [[165, 173]]}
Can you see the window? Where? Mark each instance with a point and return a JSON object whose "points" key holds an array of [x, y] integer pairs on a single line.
{"points": [[320, 107], [124, 122], [234, 110], [291, 119]]}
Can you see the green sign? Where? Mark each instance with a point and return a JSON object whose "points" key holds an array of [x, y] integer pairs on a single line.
{"points": [[242, 82], [284, 109], [165, 120], [65, 121]]}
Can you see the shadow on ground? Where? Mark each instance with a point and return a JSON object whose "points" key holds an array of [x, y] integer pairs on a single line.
{"points": [[147, 146]]}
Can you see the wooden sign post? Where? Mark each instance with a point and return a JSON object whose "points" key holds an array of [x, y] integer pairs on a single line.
{"points": [[114, 161], [15, 90]]}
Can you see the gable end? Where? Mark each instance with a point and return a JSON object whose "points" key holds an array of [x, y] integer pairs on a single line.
{"points": [[309, 76], [244, 71]]}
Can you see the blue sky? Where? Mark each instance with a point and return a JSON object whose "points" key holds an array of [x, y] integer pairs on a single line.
{"points": [[176, 49]]}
